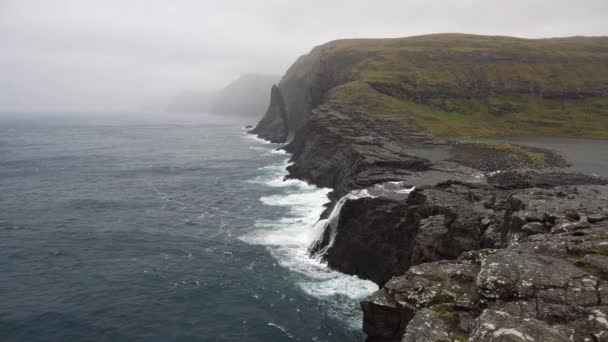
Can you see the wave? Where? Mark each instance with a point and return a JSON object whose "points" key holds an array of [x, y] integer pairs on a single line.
{"points": [[289, 237], [257, 139]]}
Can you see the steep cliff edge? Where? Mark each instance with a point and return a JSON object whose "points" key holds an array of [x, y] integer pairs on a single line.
{"points": [[460, 85], [274, 126]]}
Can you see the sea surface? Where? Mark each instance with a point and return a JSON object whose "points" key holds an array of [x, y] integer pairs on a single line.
{"points": [[121, 228]]}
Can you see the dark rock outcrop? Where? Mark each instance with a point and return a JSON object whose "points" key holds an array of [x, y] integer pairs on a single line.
{"points": [[542, 287], [560, 209], [378, 238], [374, 239], [481, 250], [346, 150], [274, 125]]}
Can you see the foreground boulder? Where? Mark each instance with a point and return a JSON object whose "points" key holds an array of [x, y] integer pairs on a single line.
{"points": [[548, 287]]}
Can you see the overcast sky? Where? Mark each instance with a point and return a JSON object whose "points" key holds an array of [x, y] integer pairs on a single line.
{"points": [[113, 55]]}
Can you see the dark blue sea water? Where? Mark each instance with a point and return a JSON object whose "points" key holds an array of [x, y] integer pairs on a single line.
{"points": [[172, 229]]}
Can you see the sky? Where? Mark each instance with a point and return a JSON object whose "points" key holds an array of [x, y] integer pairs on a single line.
{"points": [[125, 55]]}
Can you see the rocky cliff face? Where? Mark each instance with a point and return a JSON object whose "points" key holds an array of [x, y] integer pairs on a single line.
{"points": [[359, 114], [378, 238], [274, 126], [546, 285], [331, 151], [460, 85]]}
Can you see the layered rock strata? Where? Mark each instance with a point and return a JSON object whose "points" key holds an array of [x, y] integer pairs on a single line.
{"points": [[545, 285]]}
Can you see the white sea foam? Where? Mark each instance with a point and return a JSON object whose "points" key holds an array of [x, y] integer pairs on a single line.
{"points": [[273, 176], [332, 221], [270, 324], [257, 139], [264, 149], [289, 238]]}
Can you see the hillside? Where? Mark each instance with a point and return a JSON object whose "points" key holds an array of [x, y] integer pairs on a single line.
{"points": [[458, 85], [246, 96]]}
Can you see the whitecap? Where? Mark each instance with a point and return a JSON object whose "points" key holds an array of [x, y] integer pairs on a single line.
{"points": [[281, 328], [289, 237], [257, 139]]}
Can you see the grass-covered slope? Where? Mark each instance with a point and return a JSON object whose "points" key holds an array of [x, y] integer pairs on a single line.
{"points": [[469, 86]]}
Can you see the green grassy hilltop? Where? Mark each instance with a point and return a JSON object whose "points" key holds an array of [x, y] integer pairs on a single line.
{"points": [[460, 85]]}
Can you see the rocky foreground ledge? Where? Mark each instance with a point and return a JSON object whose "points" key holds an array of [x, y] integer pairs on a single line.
{"points": [[549, 282]]}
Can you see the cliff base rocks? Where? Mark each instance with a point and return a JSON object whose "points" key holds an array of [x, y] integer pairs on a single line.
{"points": [[543, 286]]}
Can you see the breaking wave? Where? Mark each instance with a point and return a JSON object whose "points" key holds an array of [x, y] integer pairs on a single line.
{"points": [[289, 237]]}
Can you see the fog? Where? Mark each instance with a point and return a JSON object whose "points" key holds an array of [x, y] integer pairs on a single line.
{"points": [[119, 55]]}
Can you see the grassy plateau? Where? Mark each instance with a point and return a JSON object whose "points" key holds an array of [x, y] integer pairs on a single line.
{"points": [[468, 86]]}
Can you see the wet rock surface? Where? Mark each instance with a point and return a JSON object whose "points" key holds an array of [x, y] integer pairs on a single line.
{"points": [[378, 238], [351, 151], [556, 210]]}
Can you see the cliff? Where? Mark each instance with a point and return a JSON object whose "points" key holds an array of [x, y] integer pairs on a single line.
{"points": [[460, 85], [417, 209], [246, 96]]}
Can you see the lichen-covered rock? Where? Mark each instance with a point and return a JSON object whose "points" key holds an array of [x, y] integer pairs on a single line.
{"points": [[385, 319], [499, 326], [446, 287], [560, 209], [346, 150], [426, 326], [510, 274], [547, 287]]}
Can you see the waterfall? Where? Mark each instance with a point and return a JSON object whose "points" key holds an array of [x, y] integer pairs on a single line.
{"points": [[326, 230]]}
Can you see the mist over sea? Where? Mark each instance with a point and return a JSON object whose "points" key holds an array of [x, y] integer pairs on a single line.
{"points": [[120, 228]]}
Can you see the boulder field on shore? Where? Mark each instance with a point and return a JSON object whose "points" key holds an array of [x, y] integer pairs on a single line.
{"points": [[494, 242]]}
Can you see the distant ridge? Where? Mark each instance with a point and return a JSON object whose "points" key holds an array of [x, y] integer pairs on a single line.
{"points": [[460, 85], [247, 96]]}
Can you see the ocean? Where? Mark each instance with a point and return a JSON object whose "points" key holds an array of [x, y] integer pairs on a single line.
{"points": [[181, 228]]}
